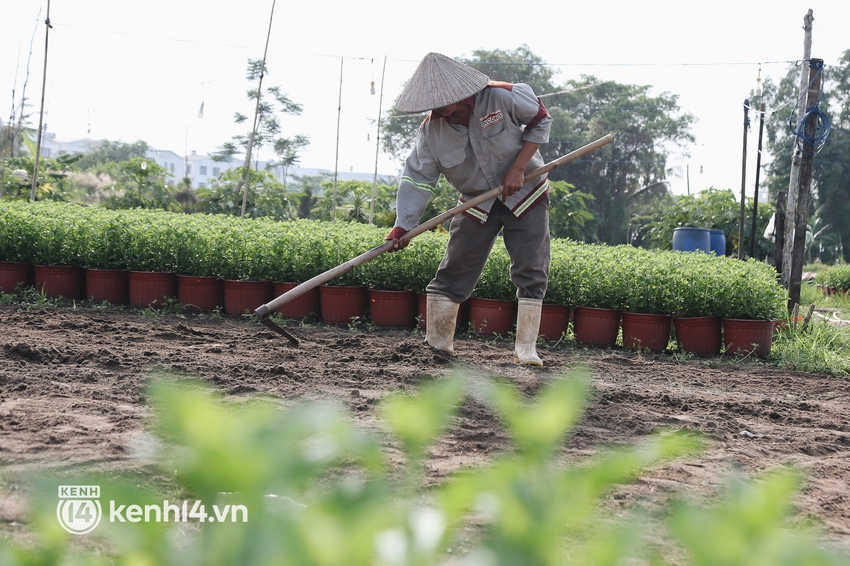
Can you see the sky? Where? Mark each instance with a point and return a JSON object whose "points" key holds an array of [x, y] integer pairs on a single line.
{"points": [[128, 71]]}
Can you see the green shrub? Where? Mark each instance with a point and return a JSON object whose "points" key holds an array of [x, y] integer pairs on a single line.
{"points": [[623, 277], [835, 277]]}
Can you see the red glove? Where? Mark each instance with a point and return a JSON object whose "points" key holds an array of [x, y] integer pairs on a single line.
{"points": [[397, 235]]}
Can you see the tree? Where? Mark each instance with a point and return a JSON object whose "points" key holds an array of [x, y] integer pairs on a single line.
{"points": [[267, 197], [830, 203], [110, 152], [141, 183], [568, 212], [268, 123], [646, 128], [352, 202]]}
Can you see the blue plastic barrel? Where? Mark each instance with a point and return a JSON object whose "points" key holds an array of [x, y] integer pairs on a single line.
{"points": [[688, 239], [718, 242]]}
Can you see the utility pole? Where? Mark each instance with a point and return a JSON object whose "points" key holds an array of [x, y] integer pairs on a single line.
{"points": [[793, 186], [756, 193], [801, 216], [48, 27], [743, 182], [779, 231]]}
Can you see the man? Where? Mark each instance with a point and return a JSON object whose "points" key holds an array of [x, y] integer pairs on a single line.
{"points": [[479, 135]]}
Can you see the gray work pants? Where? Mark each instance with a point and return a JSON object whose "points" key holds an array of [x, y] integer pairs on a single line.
{"points": [[470, 242]]}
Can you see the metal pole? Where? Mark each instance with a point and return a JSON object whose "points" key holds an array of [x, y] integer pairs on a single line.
{"points": [[743, 181], [41, 113], [338, 114], [256, 116], [756, 193], [377, 144]]}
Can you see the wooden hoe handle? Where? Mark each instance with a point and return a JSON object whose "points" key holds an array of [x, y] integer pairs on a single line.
{"points": [[263, 311]]}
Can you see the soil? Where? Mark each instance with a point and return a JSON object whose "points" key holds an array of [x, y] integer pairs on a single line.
{"points": [[72, 395]]}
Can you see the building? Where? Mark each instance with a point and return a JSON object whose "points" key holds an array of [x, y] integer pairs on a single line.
{"points": [[202, 169]]}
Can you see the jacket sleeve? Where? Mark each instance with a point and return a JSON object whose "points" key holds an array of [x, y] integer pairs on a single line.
{"points": [[418, 180], [531, 111]]}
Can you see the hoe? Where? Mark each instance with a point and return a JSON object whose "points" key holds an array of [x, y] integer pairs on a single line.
{"points": [[265, 310]]}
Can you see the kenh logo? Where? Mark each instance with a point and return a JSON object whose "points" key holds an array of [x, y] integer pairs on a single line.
{"points": [[79, 509]]}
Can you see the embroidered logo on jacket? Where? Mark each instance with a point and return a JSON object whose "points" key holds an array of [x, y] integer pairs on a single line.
{"points": [[491, 119]]}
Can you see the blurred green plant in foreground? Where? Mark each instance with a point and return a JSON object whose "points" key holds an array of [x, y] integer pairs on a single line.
{"points": [[312, 488]]}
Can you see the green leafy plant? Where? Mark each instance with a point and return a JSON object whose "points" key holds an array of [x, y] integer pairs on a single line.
{"points": [[303, 485]]}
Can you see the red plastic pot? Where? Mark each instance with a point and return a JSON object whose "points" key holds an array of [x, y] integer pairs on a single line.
{"points": [[340, 304], [596, 326], [57, 281], [491, 316], [242, 297], [301, 306], [698, 335], [14, 275], [554, 320], [151, 288], [198, 294], [744, 336], [391, 308], [643, 331], [107, 285]]}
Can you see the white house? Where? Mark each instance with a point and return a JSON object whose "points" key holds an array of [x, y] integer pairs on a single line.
{"points": [[202, 169]]}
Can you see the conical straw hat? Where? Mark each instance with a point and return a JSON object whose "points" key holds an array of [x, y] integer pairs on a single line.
{"points": [[439, 81]]}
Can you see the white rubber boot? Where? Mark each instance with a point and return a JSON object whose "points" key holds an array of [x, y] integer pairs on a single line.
{"points": [[527, 326], [441, 318]]}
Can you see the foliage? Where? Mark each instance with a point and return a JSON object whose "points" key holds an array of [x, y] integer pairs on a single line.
{"points": [[568, 211], [52, 173], [104, 152], [518, 65], [831, 174], [352, 202], [712, 209], [835, 277], [266, 127], [267, 197], [820, 348], [141, 183], [317, 490], [622, 277]]}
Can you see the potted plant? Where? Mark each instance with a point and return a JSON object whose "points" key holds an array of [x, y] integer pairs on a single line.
{"points": [[58, 247], [16, 245], [648, 300], [197, 263], [598, 296], [492, 307], [150, 254], [695, 322], [245, 267], [296, 253], [752, 300], [104, 262]]}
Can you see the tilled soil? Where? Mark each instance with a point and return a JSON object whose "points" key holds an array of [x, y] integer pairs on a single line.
{"points": [[72, 394]]}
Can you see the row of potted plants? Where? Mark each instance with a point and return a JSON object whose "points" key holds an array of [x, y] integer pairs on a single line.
{"points": [[623, 278], [834, 280]]}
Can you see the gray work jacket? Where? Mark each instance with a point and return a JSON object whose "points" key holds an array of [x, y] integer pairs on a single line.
{"points": [[476, 159]]}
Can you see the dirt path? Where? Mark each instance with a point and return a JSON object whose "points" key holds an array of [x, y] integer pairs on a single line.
{"points": [[72, 394]]}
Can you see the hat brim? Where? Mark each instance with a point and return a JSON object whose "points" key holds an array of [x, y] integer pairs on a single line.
{"points": [[439, 81]]}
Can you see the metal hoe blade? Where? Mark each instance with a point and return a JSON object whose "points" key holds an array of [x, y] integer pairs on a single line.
{"points": [[271, 325]]}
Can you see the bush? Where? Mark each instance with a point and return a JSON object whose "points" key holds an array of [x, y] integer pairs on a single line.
{"points": [[623, 277]]}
